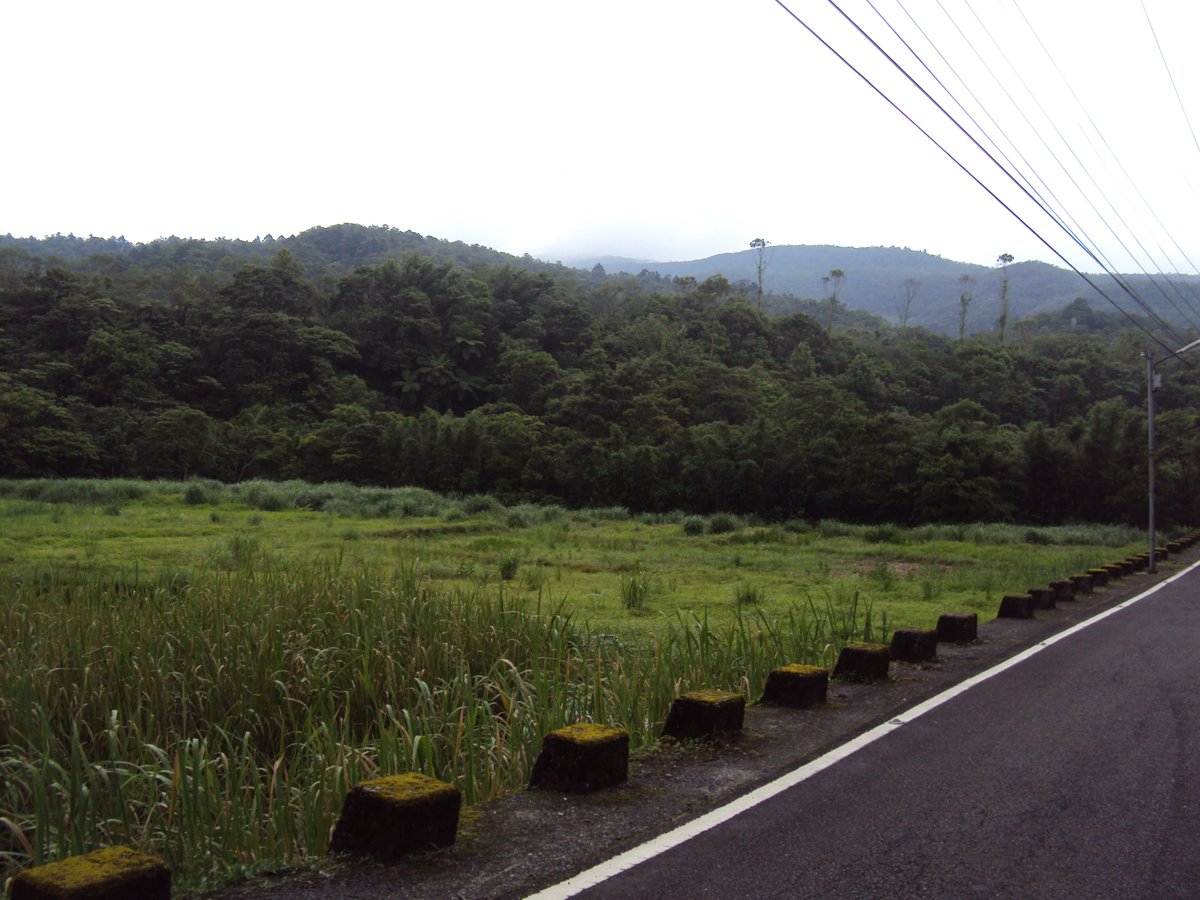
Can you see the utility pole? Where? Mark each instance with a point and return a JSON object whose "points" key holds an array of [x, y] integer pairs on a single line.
{"points": [[1153, 382], [1150, 461]]}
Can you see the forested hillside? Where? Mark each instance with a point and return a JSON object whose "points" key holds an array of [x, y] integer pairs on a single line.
{"points": [[380, 357]]}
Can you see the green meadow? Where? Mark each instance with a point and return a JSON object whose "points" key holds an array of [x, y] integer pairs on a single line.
{"points": [[202, 670]]}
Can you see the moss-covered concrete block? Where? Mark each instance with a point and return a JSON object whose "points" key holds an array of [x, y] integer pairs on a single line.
{"points": [[582, 758], [1063, 590], [1115, 572], [399, 814], [1099, 576], [958, 628], [114, 873], [798, 686], [1043, 598], [1161, 553], [863, 662], [1083, 583], [704, 714], [1015, 606], [914, 645]]}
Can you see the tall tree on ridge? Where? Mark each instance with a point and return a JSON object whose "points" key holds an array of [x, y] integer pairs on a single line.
{"points": [[910, 290], [835, 277], [759, 246], [964, 303], [1003, 260]]}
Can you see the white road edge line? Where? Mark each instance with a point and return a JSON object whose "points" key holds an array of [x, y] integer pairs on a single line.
{"points": [[609, 868]]}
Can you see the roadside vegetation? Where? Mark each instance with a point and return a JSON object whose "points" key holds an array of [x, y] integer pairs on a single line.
{"points": [[202, 670]]}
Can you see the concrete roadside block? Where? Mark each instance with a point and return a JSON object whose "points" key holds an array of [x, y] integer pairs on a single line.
{"points": [[1083, 583], [958, 628], [705, 714], [396, 815], [582, 758], [113, 873], [1063, 590], [1015, 606], [914, 645], [863, 662], [796, 685], [1043, 598], [1099, 577]]}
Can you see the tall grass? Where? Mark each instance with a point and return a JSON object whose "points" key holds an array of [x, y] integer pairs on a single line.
{"points": [[218, 719]]}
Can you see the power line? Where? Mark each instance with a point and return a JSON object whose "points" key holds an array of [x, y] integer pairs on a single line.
{"points": [[1125, 172], [1099, 256], [1062, 211], [1174, 86], [1029, 227]]}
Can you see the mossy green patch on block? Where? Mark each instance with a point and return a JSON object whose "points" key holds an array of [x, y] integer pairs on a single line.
{"points": [[390, 817], [958, 628], [797, 686], [863, 662], [704, 714], [114, 873], [1015, 606], [914, 645], [582, 758]]}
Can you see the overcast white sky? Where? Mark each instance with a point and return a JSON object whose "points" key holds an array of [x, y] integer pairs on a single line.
{"points": [[662, 129]]}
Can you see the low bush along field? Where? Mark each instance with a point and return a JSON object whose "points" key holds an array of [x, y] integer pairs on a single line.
{"points": [[203, 670]]}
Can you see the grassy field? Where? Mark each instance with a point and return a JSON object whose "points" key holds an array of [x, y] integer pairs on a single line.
{"points": [[202, 670]]}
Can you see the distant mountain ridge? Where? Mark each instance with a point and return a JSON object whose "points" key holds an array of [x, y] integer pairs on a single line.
{"points": [[874, 276], [875, 282]]}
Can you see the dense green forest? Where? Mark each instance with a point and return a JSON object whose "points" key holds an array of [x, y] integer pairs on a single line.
{"points": [[376, 356]]}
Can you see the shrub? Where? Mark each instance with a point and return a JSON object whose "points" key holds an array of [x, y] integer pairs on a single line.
{"points": [[476, 504], [263, 495], [746, 593], [509, 563], [694, 525], [883, 534], [195, 495], [609, 514], [722, 523]]}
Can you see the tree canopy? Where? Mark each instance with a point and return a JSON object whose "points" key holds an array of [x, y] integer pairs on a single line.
{"points": [[350, 356]]}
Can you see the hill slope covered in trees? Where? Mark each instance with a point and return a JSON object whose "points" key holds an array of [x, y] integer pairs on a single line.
{"points": [[344, 356]]}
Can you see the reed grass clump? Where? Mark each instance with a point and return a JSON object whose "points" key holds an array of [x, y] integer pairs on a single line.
{"points": [[637, 586]]}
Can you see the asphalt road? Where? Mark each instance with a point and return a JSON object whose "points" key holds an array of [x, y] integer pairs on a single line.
{"points": [[1075, 773]]}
